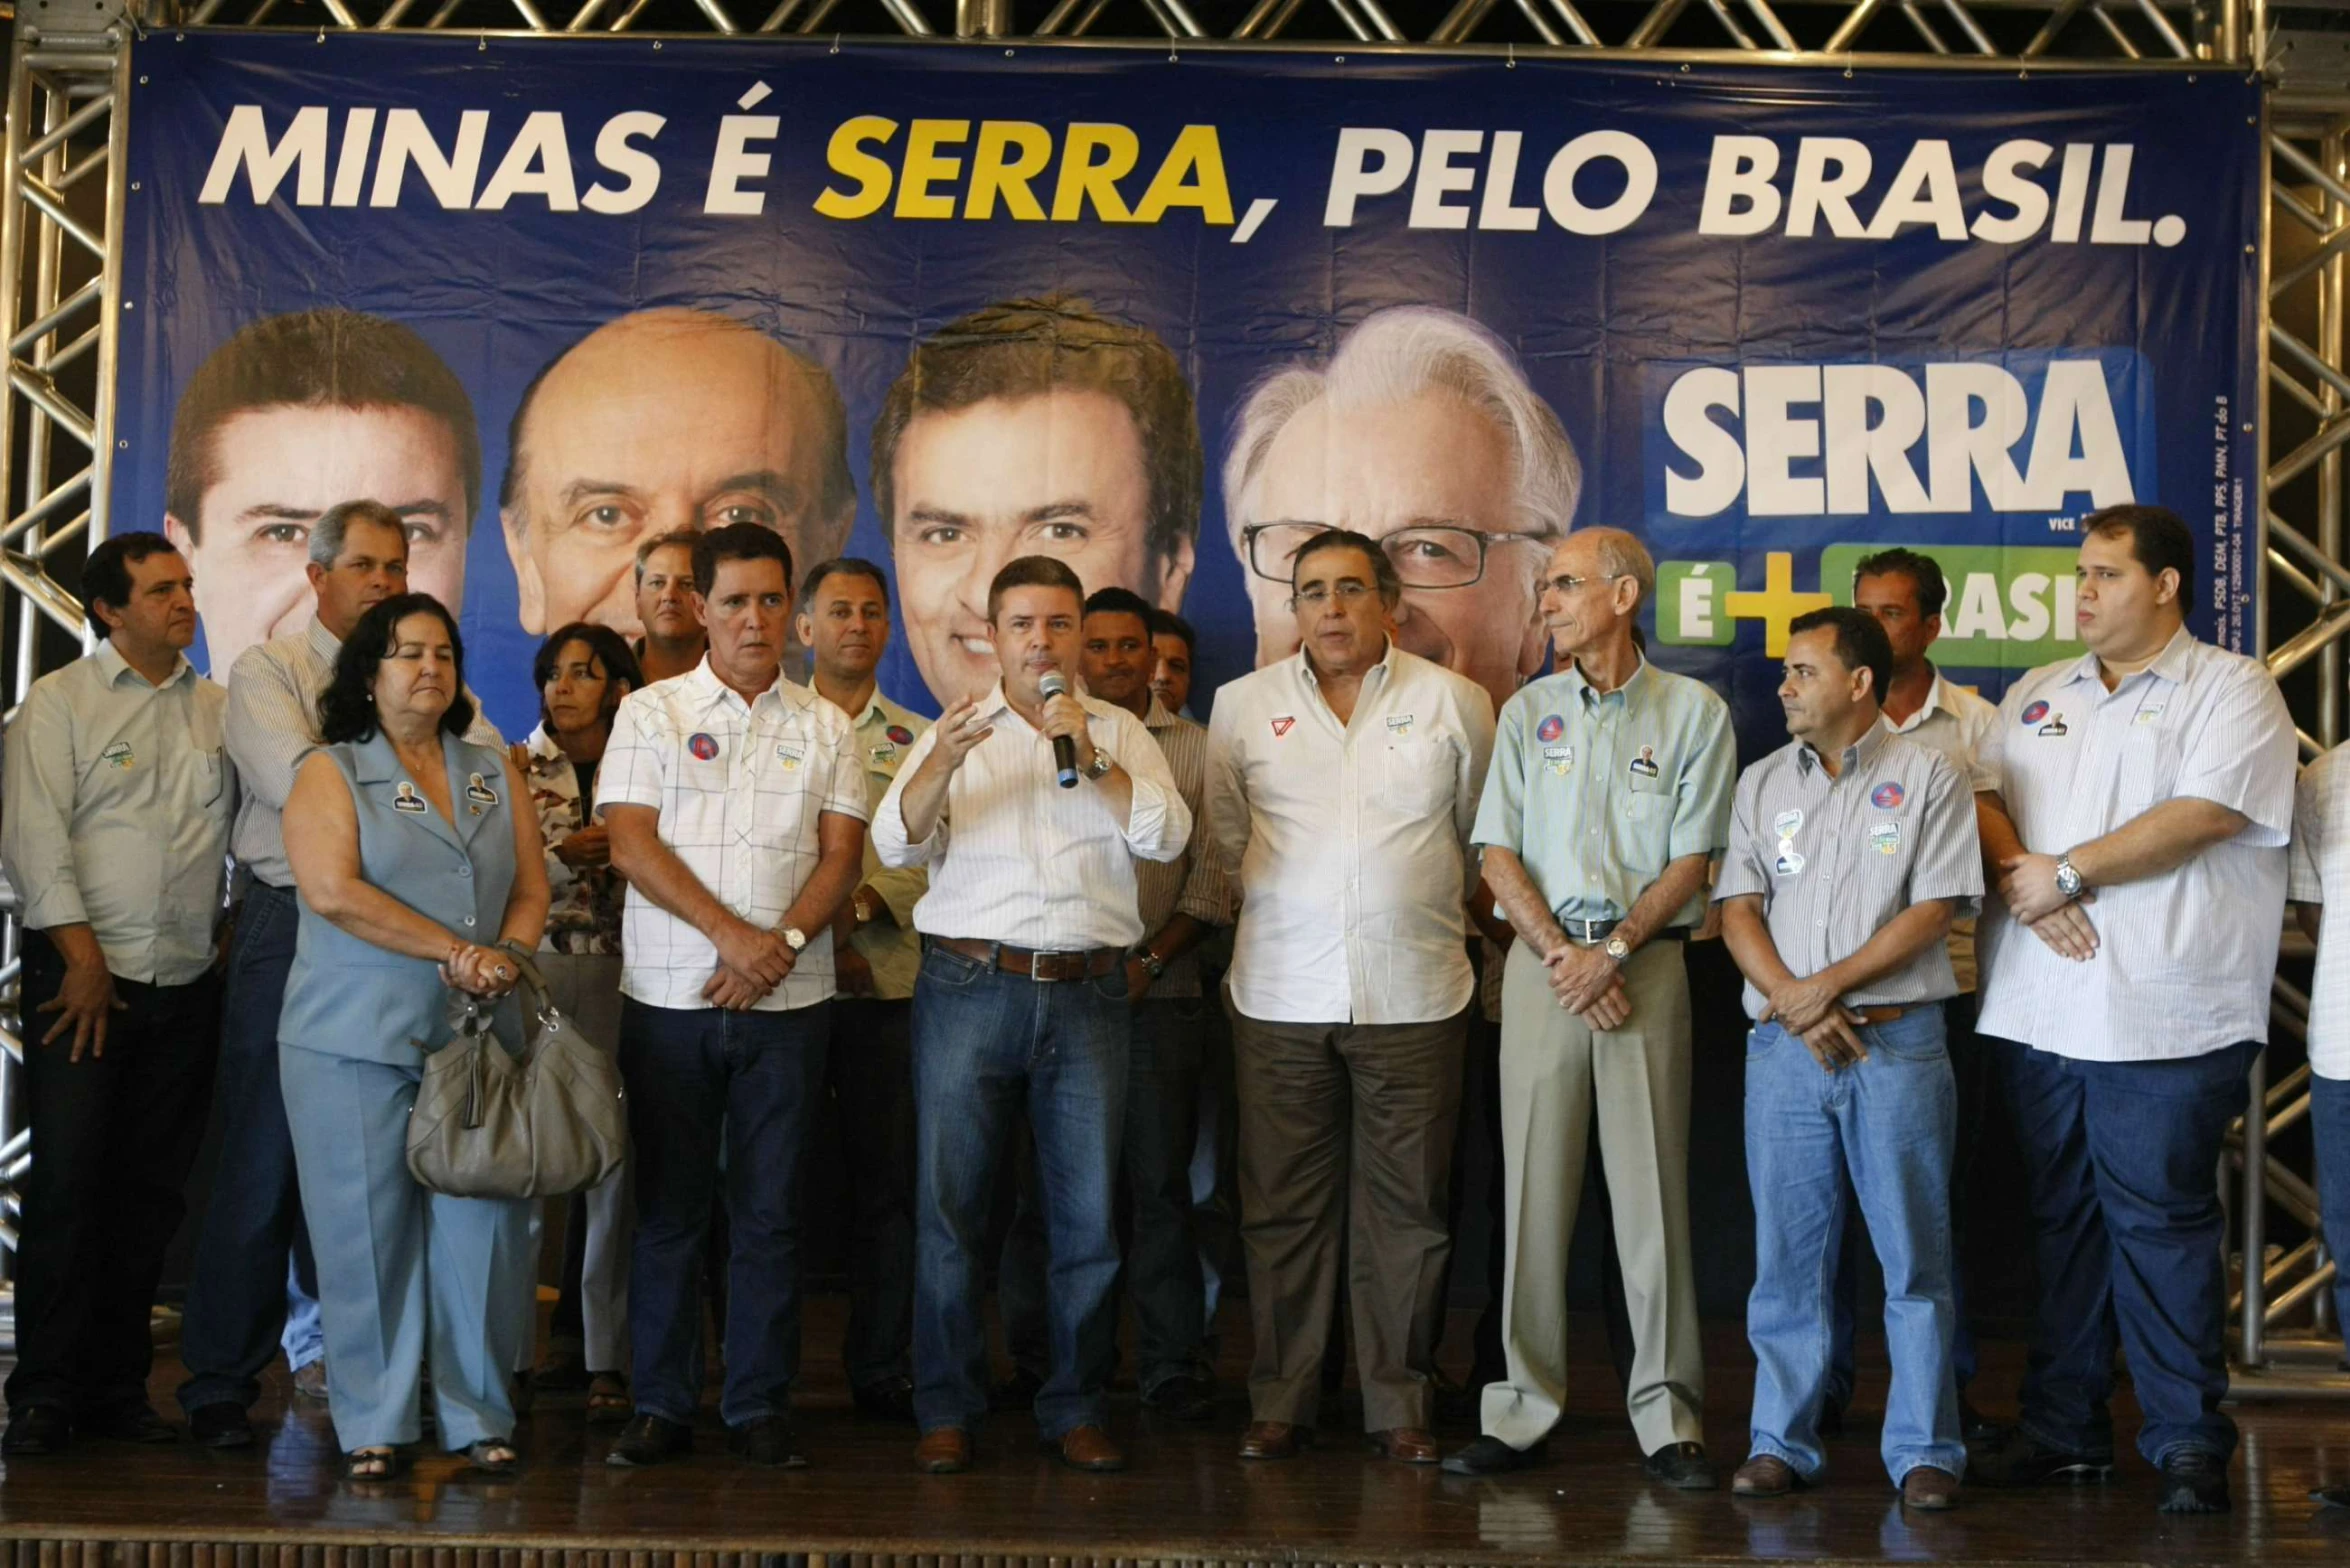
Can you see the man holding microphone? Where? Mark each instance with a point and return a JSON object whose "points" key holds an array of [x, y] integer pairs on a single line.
{"points": [[1029, 806]]}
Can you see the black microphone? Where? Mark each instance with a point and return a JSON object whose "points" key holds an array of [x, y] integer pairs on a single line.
{"points": [[1054, 684]]}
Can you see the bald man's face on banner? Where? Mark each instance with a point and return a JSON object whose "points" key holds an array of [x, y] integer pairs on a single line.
{"points": [[665, 420]]}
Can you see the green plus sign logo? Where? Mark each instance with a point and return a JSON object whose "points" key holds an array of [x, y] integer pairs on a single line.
{"points": [[2009, 607]]}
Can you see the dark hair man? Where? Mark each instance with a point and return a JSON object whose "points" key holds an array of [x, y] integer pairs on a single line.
{"points": [[116, 836], [294, 415], [1342, 783], [2138, 833], [737, 814], [1031, 916], [1850, 850], [673, 641], [1177, 646], [844, 624], [1031, 427]]}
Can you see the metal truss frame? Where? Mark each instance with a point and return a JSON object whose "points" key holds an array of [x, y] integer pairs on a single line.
{"points": [[61, 202]]}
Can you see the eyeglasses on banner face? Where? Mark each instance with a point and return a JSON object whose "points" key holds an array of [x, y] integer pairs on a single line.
{"points": [[1437, 555]]}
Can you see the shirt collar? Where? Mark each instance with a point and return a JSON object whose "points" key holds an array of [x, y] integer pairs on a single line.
{"points": [[113, 666], [1158, 718], [1926, 710], [322, 642], [1305, 667], [542, 743], [1857, 756], [1629, 692], [2170, 665], [709, 688]]}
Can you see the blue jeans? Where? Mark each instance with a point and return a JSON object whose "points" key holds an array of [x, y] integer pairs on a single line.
{"points": [[1162, 1259], [704, 1086], [2122, 1159], [2329, 1126], [1887, 1120], [987, 1044], [239, 1290], [1970, 1072]]}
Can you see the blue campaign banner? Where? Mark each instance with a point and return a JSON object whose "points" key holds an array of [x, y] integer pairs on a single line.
{"points": [[1165, 314]]}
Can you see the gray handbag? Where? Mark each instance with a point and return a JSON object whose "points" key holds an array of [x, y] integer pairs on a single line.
{"points": [[488, 1124]]}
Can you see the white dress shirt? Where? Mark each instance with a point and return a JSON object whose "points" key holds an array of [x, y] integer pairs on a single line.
{"points": [[272, 724], [1958, 724], [1351, 841], [1014, 857], [2184, 960], [2320, 874], [739, 787], [119, 796]]}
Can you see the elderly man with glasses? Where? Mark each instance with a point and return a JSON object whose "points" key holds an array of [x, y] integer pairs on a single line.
{"points": [[1420, 433], [1341, 785]]}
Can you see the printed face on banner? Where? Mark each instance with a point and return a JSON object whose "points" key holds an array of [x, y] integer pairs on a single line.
{"points": [[663, 420], [1060, 474], [274, 471], [1425, 475]]}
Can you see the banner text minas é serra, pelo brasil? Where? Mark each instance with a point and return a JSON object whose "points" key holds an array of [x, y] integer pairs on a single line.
{"points": [[1599, 182]]}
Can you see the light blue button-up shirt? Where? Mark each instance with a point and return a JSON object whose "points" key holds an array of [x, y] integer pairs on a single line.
{"points": [[119, 798]]}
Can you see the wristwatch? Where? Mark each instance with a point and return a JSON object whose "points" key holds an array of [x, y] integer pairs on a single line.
{"points": [[2068, 881], [862, 910], [1617, 948], [1102, 763], [1151, 961], [794, 938]]}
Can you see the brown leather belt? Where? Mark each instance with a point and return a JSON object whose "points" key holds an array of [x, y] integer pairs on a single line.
{"points": [[1885, 1015], [1085, 964]]}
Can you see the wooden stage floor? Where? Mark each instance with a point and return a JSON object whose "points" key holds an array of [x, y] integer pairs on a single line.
{"points": [[1186, 1500]]}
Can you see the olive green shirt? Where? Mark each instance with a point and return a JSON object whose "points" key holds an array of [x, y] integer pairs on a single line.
{"points": [[886, 734]]}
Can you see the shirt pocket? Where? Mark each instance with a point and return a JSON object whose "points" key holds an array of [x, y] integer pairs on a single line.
{"points": [[2147, 770], [212, 778], [789, 771], [1418, 777]]}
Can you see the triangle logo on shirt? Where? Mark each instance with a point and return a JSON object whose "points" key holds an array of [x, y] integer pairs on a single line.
{"points": [[1281, 725]]}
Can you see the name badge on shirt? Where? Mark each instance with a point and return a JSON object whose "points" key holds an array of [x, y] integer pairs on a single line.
{"points": [[119, 755], [792, 753], [1885, 837], [406, 799], [479, 793], [1559, 759]]}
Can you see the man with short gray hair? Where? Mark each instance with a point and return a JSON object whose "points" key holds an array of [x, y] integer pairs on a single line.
{"points": [[1422, 433], [1608, 797], [237, 1295]]}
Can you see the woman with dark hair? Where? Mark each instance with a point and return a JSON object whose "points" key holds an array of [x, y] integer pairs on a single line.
{"points": [[582, 671], [414, 865]]}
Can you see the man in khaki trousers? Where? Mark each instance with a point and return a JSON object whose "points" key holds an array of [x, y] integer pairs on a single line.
{"points": [[1609, 793]]}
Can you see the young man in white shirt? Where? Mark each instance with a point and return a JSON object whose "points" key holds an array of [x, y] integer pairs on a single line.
{"points": [[1022, 999], [1342, 785], [737, 811]]}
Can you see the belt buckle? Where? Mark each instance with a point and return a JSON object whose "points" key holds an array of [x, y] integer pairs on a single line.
{"points": [[1054, 967]]}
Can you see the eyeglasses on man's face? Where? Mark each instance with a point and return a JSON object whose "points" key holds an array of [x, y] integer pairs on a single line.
{"points": [[1569, 584], [1437, 555], [1347, 591]]}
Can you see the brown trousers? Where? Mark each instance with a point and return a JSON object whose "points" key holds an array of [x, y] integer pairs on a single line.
{"points": [[1352, 1123]]}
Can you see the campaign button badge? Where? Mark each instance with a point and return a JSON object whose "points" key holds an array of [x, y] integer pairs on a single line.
{"points": [[406, 799], [703, 746], [2054, 728], [478, 791], [1281, 725], [2035, 713], [1559, 759], [1788, 823], [1399, 724], [119, 755], [1885, 837], [1887, 796], [1551, 728], [792, 753], [900, 734], [1790, 863]]}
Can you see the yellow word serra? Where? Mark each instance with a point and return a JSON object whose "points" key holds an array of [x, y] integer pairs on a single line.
{"points": [[1031, 172]]}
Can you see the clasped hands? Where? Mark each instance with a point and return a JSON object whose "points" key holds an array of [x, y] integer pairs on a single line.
{"points": [[1588, 984], [2027, 885], [751, 963], [1811, 1011]]}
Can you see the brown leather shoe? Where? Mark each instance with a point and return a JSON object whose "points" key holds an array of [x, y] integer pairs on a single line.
{"points": [[1407, 1445], [1765, 1475], [1927, 1487], [1273, 1440], [943, 1450], [1090, 1448]]}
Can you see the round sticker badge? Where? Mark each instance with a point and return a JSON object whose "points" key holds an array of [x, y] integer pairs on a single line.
{"points": [[899, 733], [1550, 729], [703, 746], [2035, 713], [1886, 796]]}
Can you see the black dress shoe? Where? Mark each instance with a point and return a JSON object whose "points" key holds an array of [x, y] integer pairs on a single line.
{"points": [[2194, 1481], [1185, 1397], [127, 1424], [648, 1440], [1683, 1465], [36, 1430], [1016, 1392], [768, 1441], [887, 1399], [2023, 1460], [221, 1425], [1492, 1456]]}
